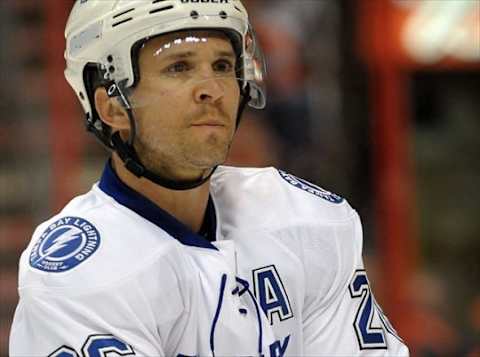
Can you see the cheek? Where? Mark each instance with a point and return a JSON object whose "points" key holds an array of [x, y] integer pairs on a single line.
{"points": [[162, 123], [234, 98], [150, 92], [154, 104]]}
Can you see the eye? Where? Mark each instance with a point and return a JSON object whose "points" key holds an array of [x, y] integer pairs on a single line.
{"points": [[178, 67], [223, 66]]}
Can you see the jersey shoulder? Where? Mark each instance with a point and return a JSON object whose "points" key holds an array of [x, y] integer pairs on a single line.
{"points": [[287, 218], [93, 242], [269, 196]]}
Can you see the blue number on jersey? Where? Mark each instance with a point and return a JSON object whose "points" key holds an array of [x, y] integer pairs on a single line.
{"points": [[271, 293], [97, 346], [64, 351], [101, 345], [369, 337]]}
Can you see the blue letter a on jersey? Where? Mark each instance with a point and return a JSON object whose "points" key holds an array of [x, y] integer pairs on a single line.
{"points": [[271, 293]]}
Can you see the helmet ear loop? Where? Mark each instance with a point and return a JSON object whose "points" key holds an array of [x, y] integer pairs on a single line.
{"points": [[114, 91], [245, 93], [125, 150]]}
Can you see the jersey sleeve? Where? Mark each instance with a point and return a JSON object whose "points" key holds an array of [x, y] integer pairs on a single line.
{"points": [[341, 316], [149, 313]]}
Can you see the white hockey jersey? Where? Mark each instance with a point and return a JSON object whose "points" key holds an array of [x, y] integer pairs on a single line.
{"points": [[113, 274]]}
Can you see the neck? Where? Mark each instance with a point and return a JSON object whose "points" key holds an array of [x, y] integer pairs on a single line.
{"points": [[186, 206]]}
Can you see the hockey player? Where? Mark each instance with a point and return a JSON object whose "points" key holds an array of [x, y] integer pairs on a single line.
{"points": [[170, 254]]}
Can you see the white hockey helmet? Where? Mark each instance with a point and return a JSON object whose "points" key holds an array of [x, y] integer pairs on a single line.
{"points": [[103, 33]]}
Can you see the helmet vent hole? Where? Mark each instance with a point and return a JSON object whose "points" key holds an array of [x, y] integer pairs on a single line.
{"points": [[194, 15], [123, 12], [223, 14], [161, 9], [111, 69], [110, 58], [157, 1], [121, 22], [237, 9], [82, 97]]}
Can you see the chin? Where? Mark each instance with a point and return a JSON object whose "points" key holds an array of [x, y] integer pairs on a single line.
{"points": [[212, 152], [209, 160], [209, 163]]}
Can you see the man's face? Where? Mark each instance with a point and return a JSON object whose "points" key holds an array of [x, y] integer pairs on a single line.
{"points": [[186, 102]]}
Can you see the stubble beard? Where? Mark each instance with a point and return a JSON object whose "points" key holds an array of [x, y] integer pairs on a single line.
{"points": [[186, 159]]}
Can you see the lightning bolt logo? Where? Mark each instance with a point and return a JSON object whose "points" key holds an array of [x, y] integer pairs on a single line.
{"points": [[59, 243], [67, 242]]}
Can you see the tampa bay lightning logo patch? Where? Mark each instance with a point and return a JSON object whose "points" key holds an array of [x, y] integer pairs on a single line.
{"points": [[310, 187], [65, 243]]}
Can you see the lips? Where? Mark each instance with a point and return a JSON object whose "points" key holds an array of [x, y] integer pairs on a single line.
{"points": [[209, 122]]}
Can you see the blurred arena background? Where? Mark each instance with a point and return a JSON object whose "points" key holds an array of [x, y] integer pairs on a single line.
{"points": [[376, 100]]}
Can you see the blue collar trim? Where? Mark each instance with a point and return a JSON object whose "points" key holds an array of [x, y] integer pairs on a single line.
{"points": [[111, 184]]}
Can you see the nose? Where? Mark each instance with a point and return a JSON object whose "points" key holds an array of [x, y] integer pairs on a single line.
{"points": [[208, 91]]}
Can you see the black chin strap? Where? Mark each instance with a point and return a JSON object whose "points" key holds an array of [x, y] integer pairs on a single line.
{"points": [[131, 161], [127, 154]]}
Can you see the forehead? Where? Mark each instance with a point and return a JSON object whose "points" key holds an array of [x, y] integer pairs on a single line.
{"points": [[189, 39]]}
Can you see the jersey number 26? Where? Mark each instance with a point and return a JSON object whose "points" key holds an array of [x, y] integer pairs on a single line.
{"points": [[369, 337], [97, 346]]}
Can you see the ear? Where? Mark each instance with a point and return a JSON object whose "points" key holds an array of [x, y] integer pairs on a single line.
{"points": [[111, 111]]}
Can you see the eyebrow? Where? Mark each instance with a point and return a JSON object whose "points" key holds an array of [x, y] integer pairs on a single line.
{"points": [[190, 54]]}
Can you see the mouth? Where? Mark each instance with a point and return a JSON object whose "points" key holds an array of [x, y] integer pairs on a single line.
{"points": [[208, 123]]}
